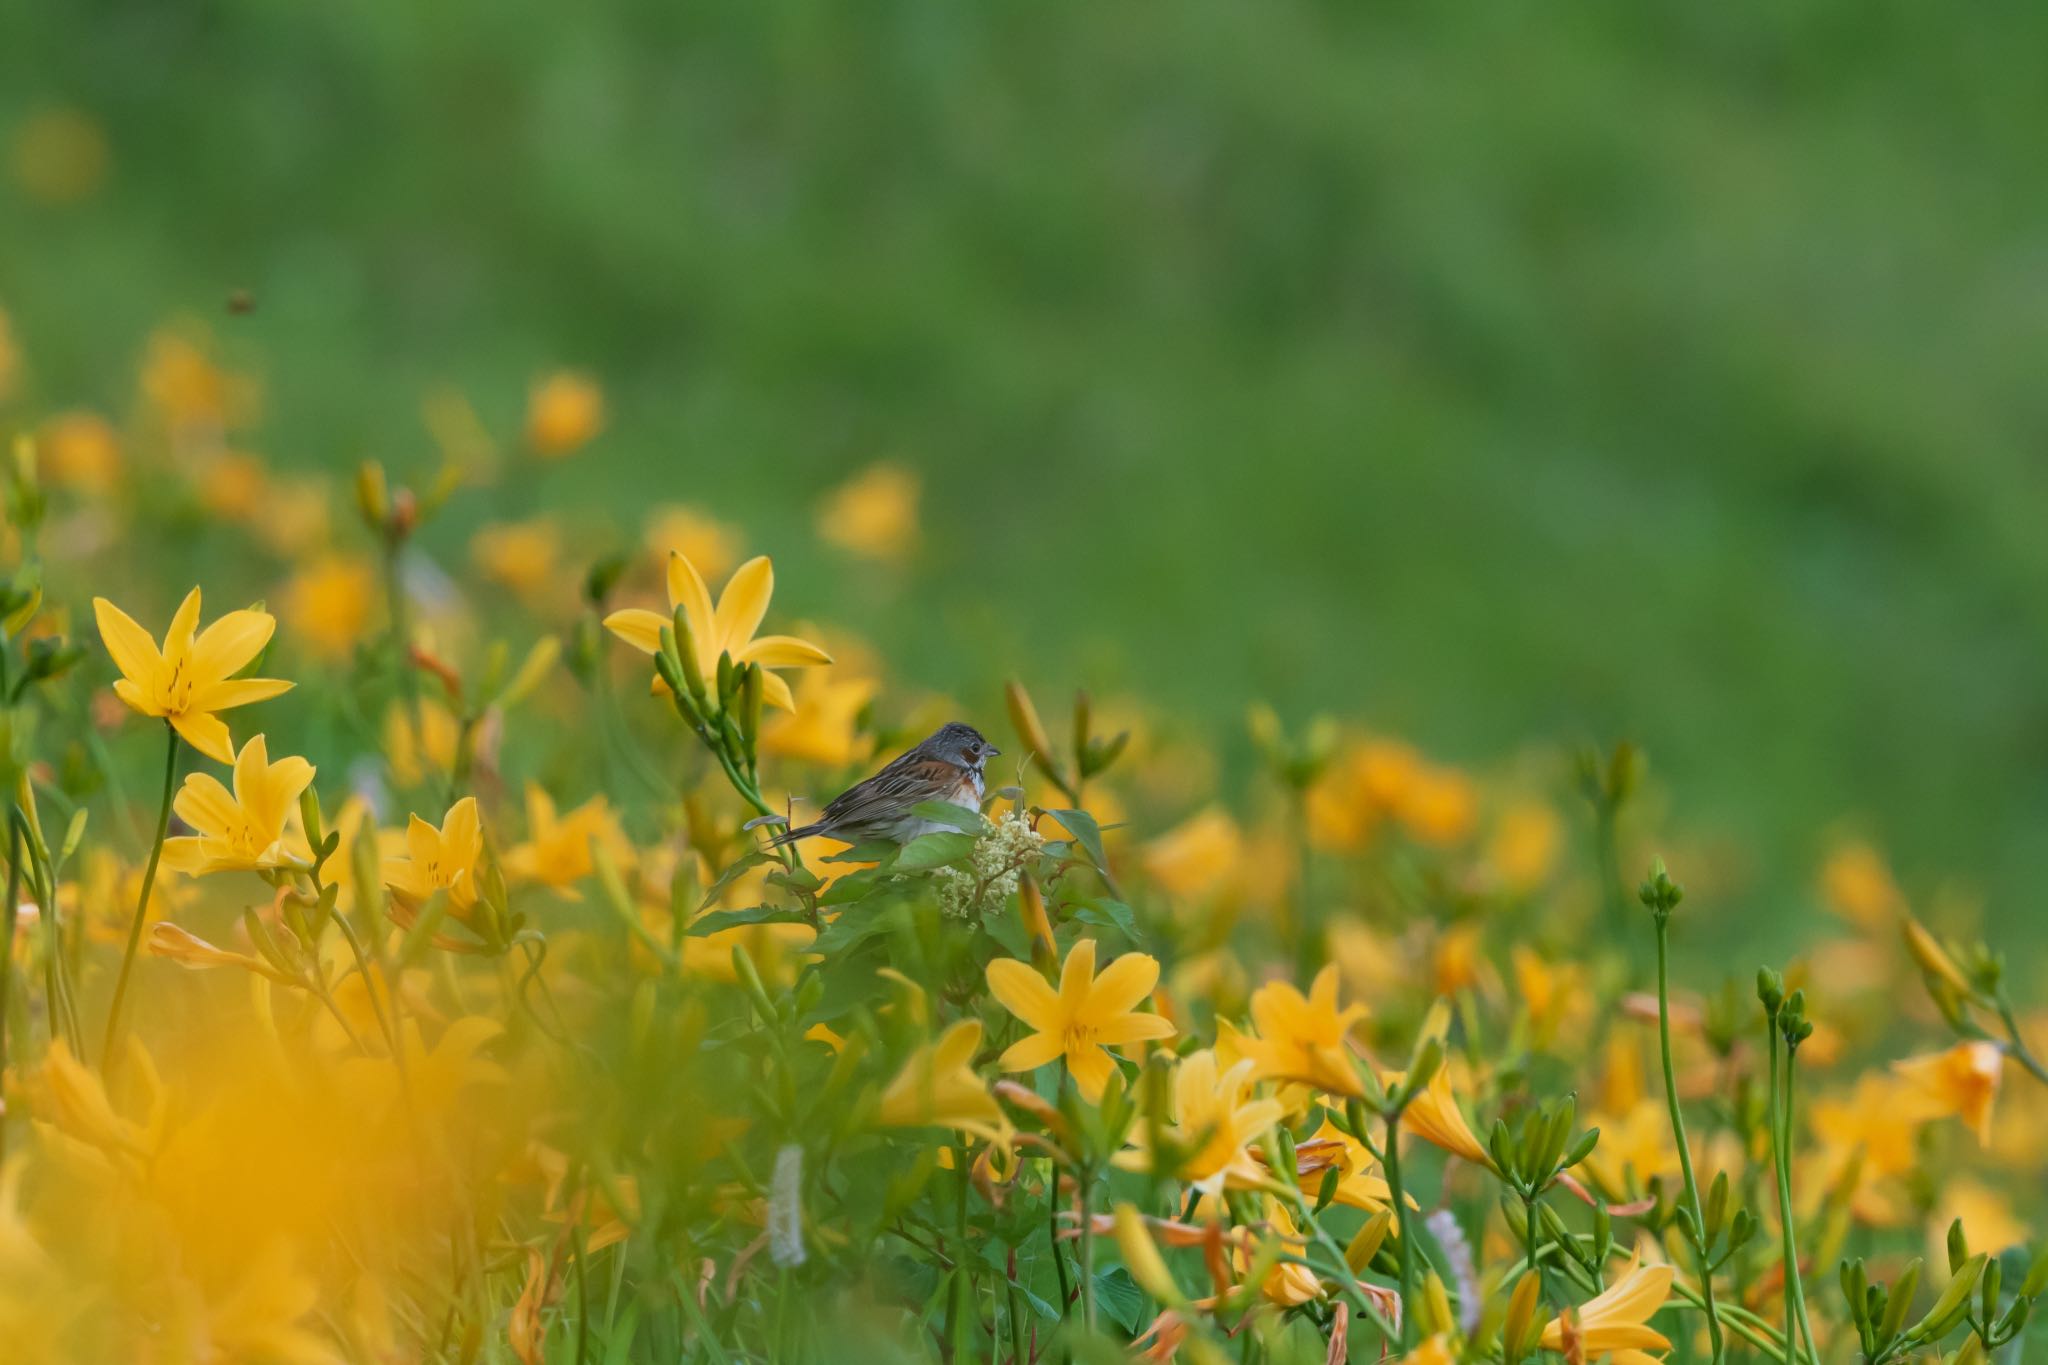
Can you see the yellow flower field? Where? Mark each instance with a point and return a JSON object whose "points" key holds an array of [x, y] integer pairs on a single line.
{"points": [[464, 1006]]}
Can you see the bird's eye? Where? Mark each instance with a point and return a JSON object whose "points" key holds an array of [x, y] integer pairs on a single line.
{"points": [[973, 746]]}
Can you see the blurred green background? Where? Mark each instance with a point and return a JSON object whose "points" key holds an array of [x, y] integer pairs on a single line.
{"points": [[1490, 375]]}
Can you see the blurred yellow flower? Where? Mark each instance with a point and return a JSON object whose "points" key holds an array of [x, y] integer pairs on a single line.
{"points": [[234, 485], [1215, 1120], [564, 413], [441, 859], [329, 602], [824, 726], [421, 746], [1987, 1215], [1198, 857], [1088, 1013], [1302, 1038], [873, 514], [1552, 994], [1961, 1082], [72, 1097], [60, 156], [191, 677], [1635, 1145], [246, 830], [189, 392], [81, 450], [1617, 1320], [937, 1088], [727, 629], [1933, 959], [1856, 884], [1439, 807], [1522, 849], [1286, 1283], [524, 556], [706, 542], [557, 852], [10, 359]]}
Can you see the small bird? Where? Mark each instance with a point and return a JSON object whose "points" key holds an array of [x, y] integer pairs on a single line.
{"points": [[946, 767]]}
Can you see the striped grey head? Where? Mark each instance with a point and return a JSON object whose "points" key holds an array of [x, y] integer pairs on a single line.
{"points": [[960, 744]]}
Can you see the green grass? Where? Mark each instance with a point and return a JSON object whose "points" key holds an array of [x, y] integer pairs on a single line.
{"points": [[1489, 376]]}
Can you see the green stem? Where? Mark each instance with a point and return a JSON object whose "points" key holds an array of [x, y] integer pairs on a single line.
{"points": [[1692, 1187], [1052, 1235], [13, 908], [2018, 1049], [156, 853], [1088, 1249], [1405, 1253], [1795, 1290]]}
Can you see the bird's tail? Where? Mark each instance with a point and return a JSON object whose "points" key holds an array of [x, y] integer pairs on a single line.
{"points": [[790, 836]]}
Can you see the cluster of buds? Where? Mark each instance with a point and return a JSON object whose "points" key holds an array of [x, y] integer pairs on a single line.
{"points": [[1659, 893], [1296, 760], [393, 514], [1972, 1297], [725, 711], [1530, 1157], [1608, 782], [1088, 758], [1787, 1013]]}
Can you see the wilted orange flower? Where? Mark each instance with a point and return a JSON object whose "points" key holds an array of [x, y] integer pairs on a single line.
{"points": [[1302, 1038], [246, 830], [1086, 1015], [727, 629], [564, 413], [191, 677], [874, 514], [441, 859], [329, 602], [1961, 1082]]}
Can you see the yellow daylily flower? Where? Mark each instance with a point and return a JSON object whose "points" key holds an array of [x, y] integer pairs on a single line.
{"points": [[1215, 1121], [1087, 1014], [1434, 1117], [873, 514], [441, 859], [726, 629], [1617, 1320], [191, 677], [1301, 1038], [937, 1088], [1961, 1081], [821, 728], [244, 831], [557, 852]]}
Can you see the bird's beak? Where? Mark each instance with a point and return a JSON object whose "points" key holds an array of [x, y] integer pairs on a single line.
{"points": [[992, 752]]}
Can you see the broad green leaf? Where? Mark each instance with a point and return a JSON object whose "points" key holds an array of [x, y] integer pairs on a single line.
{"points": [[934, 850], [732, 919]]}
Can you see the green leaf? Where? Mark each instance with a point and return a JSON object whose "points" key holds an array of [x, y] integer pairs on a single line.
{"points": [[861, 853], [733, 919], [733, 874], [1086, 832], [963, 818], [934, 850], [1105, 913], [1118, 1295]]}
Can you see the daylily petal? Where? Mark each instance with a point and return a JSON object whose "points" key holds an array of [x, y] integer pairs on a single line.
{"points": [[957, 1045], [225, 696], [744, 602], [1077, 978], [1132, 1028], [1029, 1054], [686, 590], [206, 732], [136, 696], [178, 638], [1123, 984], [782, 651], [638, 627], [129, 645], [184, 855], [205, 804], [1024, 993], [1091, 1067], [775, 692], [462, 837], [229, 643]]}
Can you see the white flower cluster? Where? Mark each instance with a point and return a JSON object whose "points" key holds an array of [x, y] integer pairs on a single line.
{"points": [[996, 867]]}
